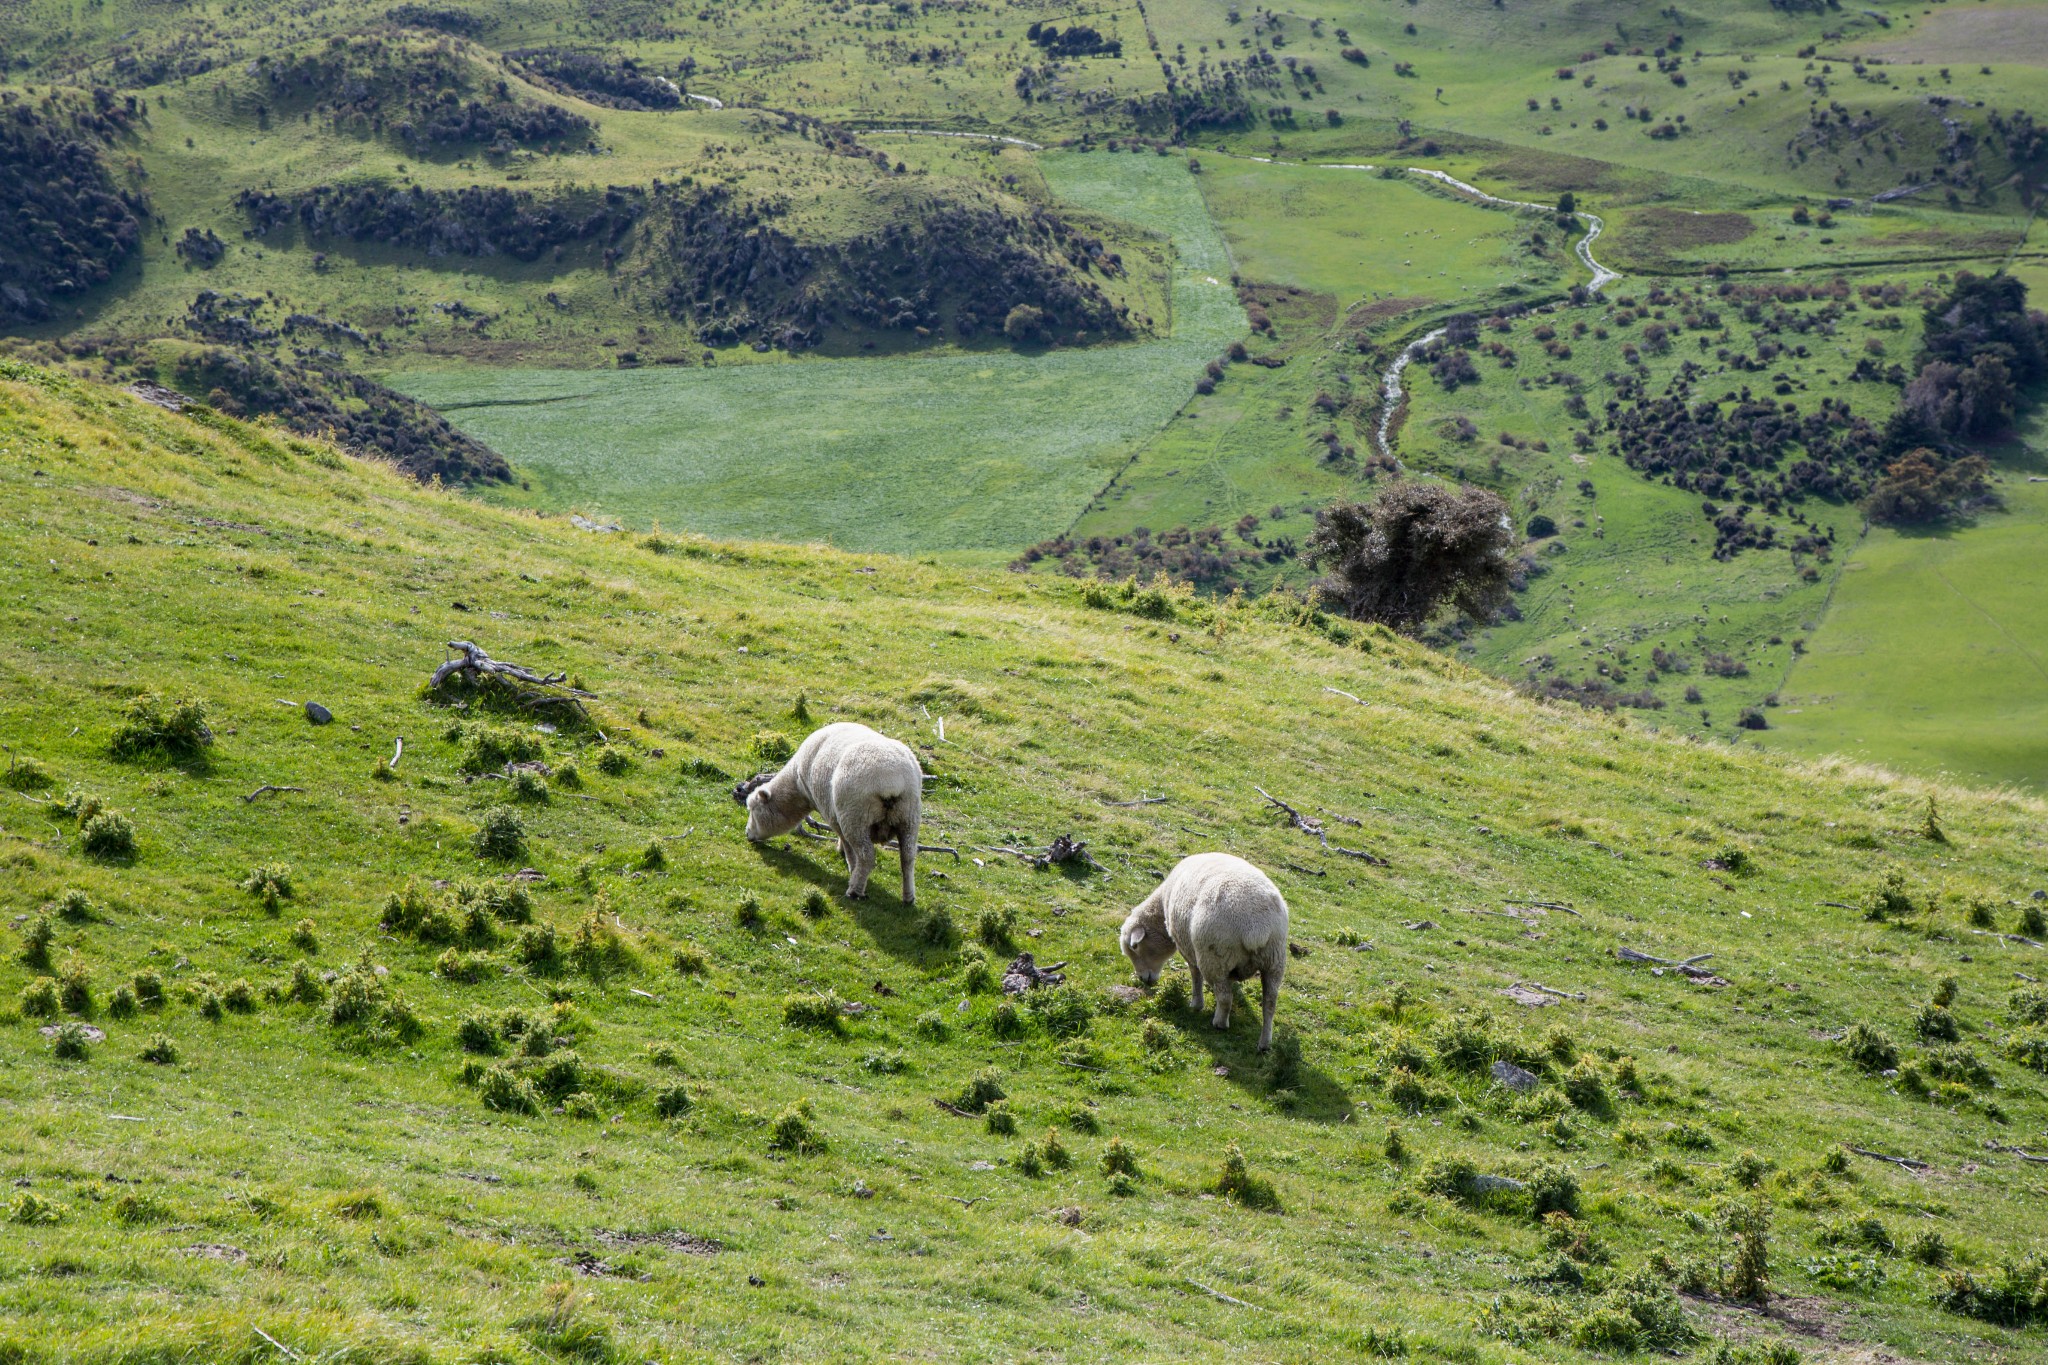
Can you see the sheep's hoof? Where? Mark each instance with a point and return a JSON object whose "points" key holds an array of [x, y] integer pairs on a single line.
{"points": [[853, 895]]}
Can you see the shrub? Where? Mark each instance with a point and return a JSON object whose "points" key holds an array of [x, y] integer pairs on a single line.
{"points": [[1061, 1013], [33, 1210], [539, 949], [999, 1119], [108, 837], [74, 988], [672, 1102], [1888, 899], [501, 835], [528, 787], [1030, 1162], [580, 1104], [1235, 1181], [795, 1131], [1553, 1189], [815, 905], [770, 746], [1748, 1170], [142, 1210], [1935, 1024], [821, 1011], [489, 748], [688, 961], [1004, 1021], [569, 777], [25, 775], [75, 907], [1448, 1177], [1082, 1118], [975, 976], [36, 937], [211, 1008], [930, 1026], [305, 936], [161, 1051], [2016, 1296], [747, 914], [1586, 1088], [505, 1091], [72, 1041], [597, 950], [613, 760], [2033, 921], [1751, 1224], [149, 989], [240, 996], [1870, 1048], [983, 1090], [270, 885], [1929, 1248], [477, 1032], [993, 926], [1119, 1160], [883, 1063], [122, 1005], [176, 730], [2028, 1047], [559, 1075], [936, 927], [1946, 990]]}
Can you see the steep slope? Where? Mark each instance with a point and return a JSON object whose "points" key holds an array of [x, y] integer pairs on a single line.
{"points": [[754, 1128]]}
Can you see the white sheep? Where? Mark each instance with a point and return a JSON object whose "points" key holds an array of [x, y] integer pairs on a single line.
{"points": [[866, 787], [1227, 919]]}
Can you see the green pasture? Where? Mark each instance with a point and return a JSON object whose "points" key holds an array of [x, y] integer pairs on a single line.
{"points": [[1931, 656], [981, 451], [765, 1128]]}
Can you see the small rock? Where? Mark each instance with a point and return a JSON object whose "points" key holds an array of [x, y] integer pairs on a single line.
{"points": [[981, 1165], [756, 1281], [1071, 1216], [92, 1034], [317, 713], [1129, 995], [861, 1190], [1514, 1078], [1219, 1071]]}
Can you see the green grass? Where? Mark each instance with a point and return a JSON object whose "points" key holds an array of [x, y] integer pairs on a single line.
{"points": [[347, 1194], [977, 451], [1930, 656]]}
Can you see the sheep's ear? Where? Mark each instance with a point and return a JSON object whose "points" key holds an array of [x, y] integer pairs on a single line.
{"points": [[1138, 934]]}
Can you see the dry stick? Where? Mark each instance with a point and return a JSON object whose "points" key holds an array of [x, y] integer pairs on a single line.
{"points": [[396, 754], [1223, 1297], [275, 1342], [956, 1112], [1142, 800], [966, 1203], [1631, 955], [1839, 905], [2022, 1153], [1310, 825], [1547, 905], [1305, 871], [1906, 1162], [1552, 990], [266, 787], [2009, 938], [1342, 693]]}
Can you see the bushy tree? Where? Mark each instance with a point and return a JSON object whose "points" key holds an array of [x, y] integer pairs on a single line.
{"points": [[1413, 550], [1923, 486]]}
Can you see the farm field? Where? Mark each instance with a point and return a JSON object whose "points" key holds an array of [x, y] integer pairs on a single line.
{"points": [[327, 1075], [977, 451], [1930, 656]]}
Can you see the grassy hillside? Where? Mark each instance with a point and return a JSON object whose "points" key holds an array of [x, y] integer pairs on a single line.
{"points": [[735, 1148]]}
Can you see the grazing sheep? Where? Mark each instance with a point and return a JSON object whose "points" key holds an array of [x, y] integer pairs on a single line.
{"points": [[866, 787], [1227, 919]]}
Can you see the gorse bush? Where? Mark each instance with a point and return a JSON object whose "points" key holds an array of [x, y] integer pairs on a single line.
{"points": [[108, 837], [488, 748], [1235, 1181], [823, 1011], [36, 937], [154, 727], [272, 886], [795, 1131], [1870, 1048], [500, 835]]}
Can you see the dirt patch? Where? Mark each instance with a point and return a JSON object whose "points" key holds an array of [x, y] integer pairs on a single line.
{"points": [[672, 1239], [1660, 231], [1972, 35], [1815, 1325], [216, 1251]]}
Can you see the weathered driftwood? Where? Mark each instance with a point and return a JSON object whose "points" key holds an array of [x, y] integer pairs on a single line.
{"points": [[1025, 974], [267, 787], [1064, 848], [477, 668], [1903, 1162], [1631, 955]]}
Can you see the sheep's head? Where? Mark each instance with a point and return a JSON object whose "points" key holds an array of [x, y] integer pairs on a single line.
{"points": [[768, 816], [1146, 943]]}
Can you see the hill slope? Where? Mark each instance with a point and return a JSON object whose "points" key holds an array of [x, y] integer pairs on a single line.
{"points": [[320, 1163]]}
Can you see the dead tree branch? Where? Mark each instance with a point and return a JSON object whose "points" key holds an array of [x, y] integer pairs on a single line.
{"points": [[1631, 955], [1903, 1162], [267, 787], [1546, 905], [1309, 824], [2022, 1153]]}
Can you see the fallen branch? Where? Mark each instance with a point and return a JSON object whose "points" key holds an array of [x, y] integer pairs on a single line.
{"points": [[1063, 849], [1552, 990], [1222, 1297], [964, 1202], [397, 752], [1143, 800], [478, 667], [1905, 1162], [267, 787], [1547, 905], [2022, 1153], [1838, 905], [1631, 955], [1305, 871], [1342, 693], [2009, 938], [1308, 824], [954, 1110]]}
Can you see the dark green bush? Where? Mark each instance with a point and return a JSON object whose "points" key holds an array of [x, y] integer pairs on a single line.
{"points": [[152, 726], [108, 837], [1869, 1047], [821, 1011], [795, 1131], [501, 835]]}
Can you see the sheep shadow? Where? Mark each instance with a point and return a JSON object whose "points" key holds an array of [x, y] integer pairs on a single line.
{"points": [[888, 923], [1318, 1098]]}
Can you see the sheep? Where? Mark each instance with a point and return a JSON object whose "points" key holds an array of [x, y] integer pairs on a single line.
{"points": [[1227, 919], [866, 787]]}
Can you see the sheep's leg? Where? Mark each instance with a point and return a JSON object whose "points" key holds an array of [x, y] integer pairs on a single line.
{"points": [[1196, 973], [1226, 996], [1269, 988], [906, 844], [860, 861]]}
